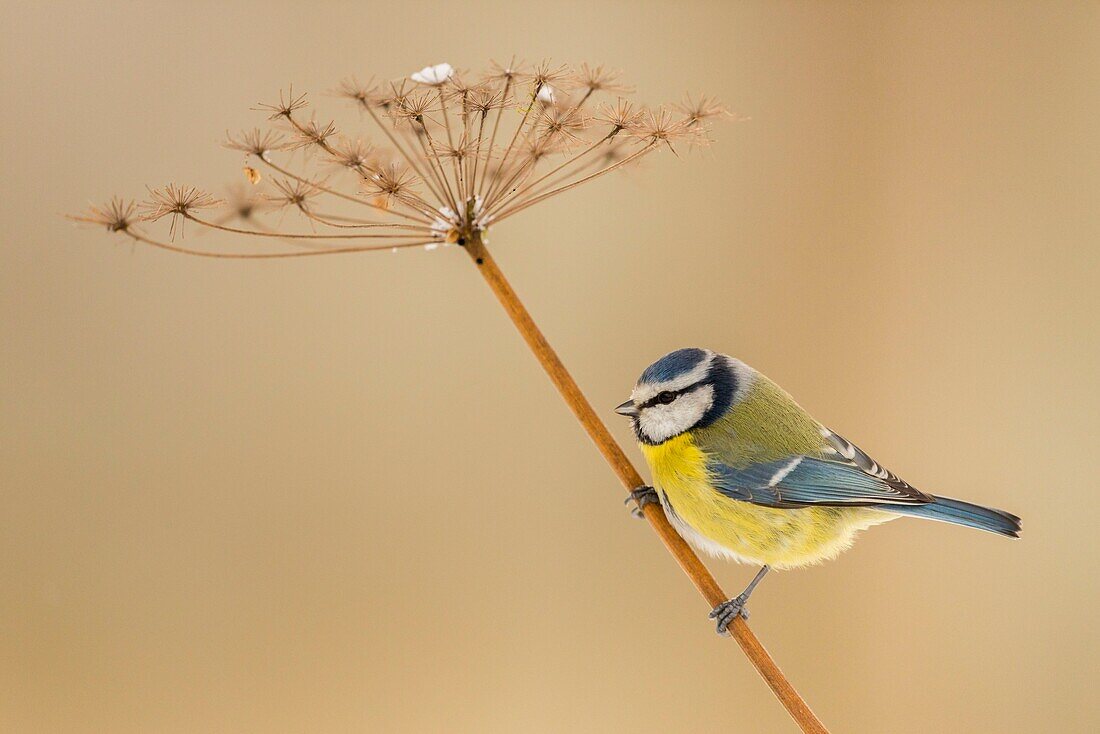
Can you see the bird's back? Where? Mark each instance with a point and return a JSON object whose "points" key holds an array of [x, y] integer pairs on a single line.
{"points": [[765, 425]]}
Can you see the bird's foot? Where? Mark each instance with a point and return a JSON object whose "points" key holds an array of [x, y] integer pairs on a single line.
{"points": [[643, 496], [724, 614]]}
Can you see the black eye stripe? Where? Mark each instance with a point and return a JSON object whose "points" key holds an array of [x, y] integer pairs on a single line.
{"points": [[656, 399]]}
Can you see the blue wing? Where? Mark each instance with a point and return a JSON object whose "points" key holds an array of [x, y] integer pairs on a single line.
{"points": [[842, 476]]}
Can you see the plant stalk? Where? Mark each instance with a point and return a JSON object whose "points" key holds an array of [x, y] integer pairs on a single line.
{"points": [[628, 475]]}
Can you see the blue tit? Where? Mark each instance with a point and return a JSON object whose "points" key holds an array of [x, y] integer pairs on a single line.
{"points": [[743, 472]]}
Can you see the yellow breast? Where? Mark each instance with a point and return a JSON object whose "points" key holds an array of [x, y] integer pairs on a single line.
{"points": [[742, 531]]}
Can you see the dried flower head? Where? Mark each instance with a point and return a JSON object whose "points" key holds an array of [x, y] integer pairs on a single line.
{"points": [[484, 101], [561, 125], [449, 158], [392, 95], [116, 215], [354, 154], [620, 116], [459, 150], [177, 202], [548, 73], [460, 89], [173, 199], [257, 142], [661, 126], [706, 107], [245, 202], [293, 193], [392, 181], [287, 105], [538, 148], [363, 94], [600, 79], [311, 133], [413, 107], [505, 73]]}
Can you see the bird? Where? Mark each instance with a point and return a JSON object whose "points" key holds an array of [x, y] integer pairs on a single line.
{"points": [[744, 473]]}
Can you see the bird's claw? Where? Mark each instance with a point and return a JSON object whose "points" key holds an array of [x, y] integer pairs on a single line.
{"points": [[644, 495], [727, 611]]}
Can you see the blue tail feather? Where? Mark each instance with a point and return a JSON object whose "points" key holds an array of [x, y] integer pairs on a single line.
{"points": [[964, 513]]}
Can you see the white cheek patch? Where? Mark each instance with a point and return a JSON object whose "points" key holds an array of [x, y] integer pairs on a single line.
{"points": [[661, 422]]}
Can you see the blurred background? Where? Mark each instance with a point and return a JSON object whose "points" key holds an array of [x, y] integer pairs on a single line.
{"points": [[339, 495]]}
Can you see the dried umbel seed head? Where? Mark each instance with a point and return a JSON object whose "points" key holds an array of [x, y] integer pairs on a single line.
{"points": [[539, 148], [620, 116], [412, 107], [117, 215], [311, 133], [662, 126], [351, 88], [483, 101], [697, 112], [600, 79], [505, 74], [176, 200], [179, 202], [550, 74], [459, 89], [449, 156], [245, 202], [392, 95], [392, 181], [561, 125], [257, 142], [287, 105], [293, 193], [354, 154]]}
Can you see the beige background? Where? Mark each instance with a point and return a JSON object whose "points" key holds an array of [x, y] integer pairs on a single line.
{"points": [[339, 496]]}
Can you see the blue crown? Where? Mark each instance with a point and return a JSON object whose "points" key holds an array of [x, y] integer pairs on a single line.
{"points": [[674, 364]]}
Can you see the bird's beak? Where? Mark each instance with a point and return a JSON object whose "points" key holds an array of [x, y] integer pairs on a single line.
{"points": [[627, 409]]}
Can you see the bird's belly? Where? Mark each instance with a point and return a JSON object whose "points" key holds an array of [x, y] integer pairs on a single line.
{"points": [[742, 531]]}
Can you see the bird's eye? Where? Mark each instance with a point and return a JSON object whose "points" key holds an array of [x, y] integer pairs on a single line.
{"points": [[665, 398]]}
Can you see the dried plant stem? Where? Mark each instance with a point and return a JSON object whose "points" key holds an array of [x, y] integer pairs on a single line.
{"points": [[518, 207], [342, 222], [496, 123], [477, 152], [436, 167], [288, 236], [523, 188], [630, 479], [491, 192], [137, 236]]}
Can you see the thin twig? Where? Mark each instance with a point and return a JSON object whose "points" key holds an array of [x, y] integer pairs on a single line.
{"points": [[140, 237], [257, 233], [520, 206], [340, 221], [517, 192], [507, 151], [630, 479]]}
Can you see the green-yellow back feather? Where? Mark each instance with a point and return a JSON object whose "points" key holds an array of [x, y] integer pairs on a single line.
{"points": [[766, 425]]}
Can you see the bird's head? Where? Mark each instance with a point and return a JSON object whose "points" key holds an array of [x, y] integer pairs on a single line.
{"points": [[682, 391]]}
